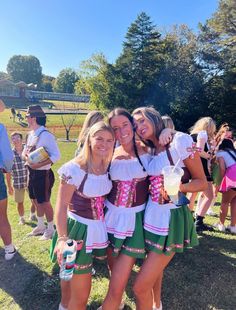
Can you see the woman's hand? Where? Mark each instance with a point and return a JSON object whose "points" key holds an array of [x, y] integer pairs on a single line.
{"points": [[59, 250], [166, 136]]}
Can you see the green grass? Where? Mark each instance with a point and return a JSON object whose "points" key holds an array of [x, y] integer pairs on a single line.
{"points": [[201, 278]]}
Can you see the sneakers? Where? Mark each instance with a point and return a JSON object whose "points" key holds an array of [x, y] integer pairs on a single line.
{"points": [[37, 231], [9, 254], [48, 233], [220, 227], [33, 218], [22, 221], [62, 307], [210, 212], [232, 229], [160, 308]]}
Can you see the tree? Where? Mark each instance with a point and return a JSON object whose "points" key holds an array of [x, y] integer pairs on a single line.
{"points": [[217, 54], [4, 76], [47, 83], [25, 68], [68, 119], [136, 69], [93, 80], [181, 81], [65, 82]]}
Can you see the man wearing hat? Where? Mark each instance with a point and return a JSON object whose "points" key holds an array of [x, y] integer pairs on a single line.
{"points": [[6, 161], [41, 177]]}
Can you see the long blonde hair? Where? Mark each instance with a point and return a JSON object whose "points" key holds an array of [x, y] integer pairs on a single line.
{"points": [[91, 118], [84, 159], [204, 123]]}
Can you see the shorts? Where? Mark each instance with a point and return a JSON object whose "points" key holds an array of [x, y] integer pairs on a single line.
{"points": [[40, 184], [3, 189], [19, 195]]}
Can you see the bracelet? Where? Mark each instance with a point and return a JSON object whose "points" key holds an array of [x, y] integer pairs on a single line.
{"points": [[62, 238]]}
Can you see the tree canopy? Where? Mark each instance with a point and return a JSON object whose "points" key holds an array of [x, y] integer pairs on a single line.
{"points": [[65, 82], [25, 68]]}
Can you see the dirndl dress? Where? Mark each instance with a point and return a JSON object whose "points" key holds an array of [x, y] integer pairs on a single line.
{"points": [[85, 215], [125, 206], [229, 179], [168, 228]]}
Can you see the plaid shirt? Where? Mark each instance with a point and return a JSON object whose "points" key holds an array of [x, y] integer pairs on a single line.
{"points": [[19, 172]]}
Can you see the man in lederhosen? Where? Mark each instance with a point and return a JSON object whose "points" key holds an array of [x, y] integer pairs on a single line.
{"points": [[41, 177]]}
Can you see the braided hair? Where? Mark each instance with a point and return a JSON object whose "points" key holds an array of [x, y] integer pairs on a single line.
{"points": [[125, 113]]}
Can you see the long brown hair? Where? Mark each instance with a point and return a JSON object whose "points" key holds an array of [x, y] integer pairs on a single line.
{"points": [[125, 113], [155, 119]]}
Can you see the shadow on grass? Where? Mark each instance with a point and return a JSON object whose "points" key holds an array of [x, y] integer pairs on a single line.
{"points": [[28, 286], [202, 278]]}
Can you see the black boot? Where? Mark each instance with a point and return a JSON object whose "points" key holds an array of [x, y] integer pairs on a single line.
{"points": [[200, 226]]}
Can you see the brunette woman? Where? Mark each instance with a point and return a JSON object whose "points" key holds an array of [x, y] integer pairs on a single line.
{"points": [[168, 226], [226, 157], [125, 206]]}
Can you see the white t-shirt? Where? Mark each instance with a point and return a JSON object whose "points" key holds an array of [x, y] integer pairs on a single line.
{"points": [[228, 159], [47, 140]]}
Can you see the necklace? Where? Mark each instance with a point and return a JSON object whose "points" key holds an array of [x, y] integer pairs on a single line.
{"points": [[97, 170]]}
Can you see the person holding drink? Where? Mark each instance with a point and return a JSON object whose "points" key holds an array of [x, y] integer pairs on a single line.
{"points": [[168, 222], [79, 212]]}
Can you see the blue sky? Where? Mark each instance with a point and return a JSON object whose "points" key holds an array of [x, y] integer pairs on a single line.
{"points": [[62, 33]]}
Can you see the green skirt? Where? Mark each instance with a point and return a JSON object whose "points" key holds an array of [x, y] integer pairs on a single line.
{"points": [[84, 261], [182, 234], [132, 246]]}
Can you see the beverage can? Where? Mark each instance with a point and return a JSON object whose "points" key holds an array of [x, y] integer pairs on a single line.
{"points": [[38, 155]]}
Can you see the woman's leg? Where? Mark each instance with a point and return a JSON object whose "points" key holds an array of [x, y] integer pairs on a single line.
{"points": [[226, 199], [119, 278], [157, 291], [192, 201], [233, 210], [80, 286], [65, 293], [151, 270], [110, 259], [5, 228], [208, 196]]}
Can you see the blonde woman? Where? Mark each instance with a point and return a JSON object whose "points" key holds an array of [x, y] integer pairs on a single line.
{"points": [[203, 132], [168, 122], [92, 118], [79, 211]]}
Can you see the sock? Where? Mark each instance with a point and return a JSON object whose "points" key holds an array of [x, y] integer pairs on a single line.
{"points": [[22, 217], [9, 248], [40, 221], [61, 307], [50, 225], [32, 213]]}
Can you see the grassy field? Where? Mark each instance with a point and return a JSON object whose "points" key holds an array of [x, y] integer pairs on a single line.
{"points": [[54, 124], [68, 104], [201, 278]]}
